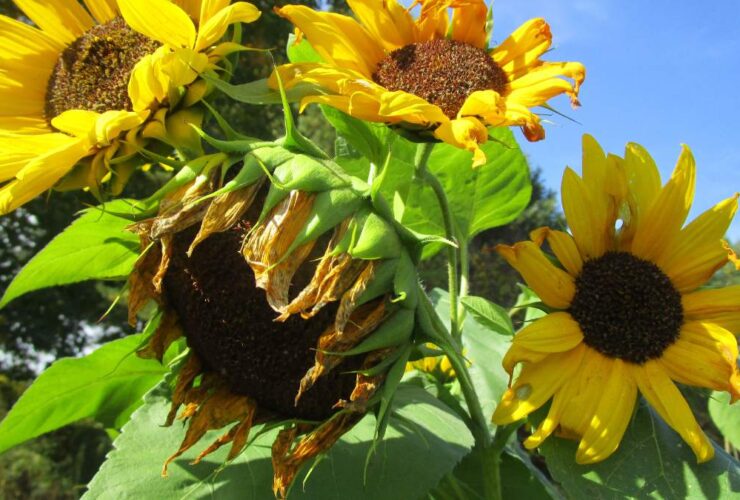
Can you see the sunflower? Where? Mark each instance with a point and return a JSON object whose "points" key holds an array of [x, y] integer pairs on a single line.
{"points": [[295, 301], [628, 315], [431, 74], [89, 87]]}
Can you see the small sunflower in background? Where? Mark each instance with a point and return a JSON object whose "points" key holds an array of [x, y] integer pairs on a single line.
{"points": [[86, 88], [628, 315], [433, 75], [296, 302]]}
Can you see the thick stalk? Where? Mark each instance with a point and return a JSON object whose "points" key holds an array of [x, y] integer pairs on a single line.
{"points": [[464, 256], [422, 156]]}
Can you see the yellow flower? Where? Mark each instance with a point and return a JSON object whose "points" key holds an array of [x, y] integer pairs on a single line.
{"points": [[89, 86], [431, 73], [629, 315]]}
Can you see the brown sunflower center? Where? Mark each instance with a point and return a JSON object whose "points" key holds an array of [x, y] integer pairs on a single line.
{"points": [[627, 307], [230, 326], [94, 71], [443, 72]]}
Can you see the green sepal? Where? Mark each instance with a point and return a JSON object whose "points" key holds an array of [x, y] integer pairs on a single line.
{"points": [[406, 283], [236, 146], [306, 173], [383, 366], [382, 281], [378, 240], [328, 210], [394, 331], [186, 174], [386, 398], [225, 126]]}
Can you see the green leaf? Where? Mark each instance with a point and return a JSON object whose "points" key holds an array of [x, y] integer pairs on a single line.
{"points": [[488, 314], [489, 196], [652, 462], [466, 482], [95, 246], [725, 416], [301, 52], [424, 441], [106, 385], [484, 349]]}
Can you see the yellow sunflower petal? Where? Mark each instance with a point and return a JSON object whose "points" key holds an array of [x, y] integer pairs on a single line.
{"points": [[664, 396], [207, 9], [387, 21], [586, 217], [24, 124], [112, 123], [148, 83], [705, 356], [23, 48], [102, 10], [518, 354], [469, 23], [556, 332], [217, 24], [76, 122], [612, 415], [698, 252], [720, 306], [536, 384], [64, 20], [584, 390], [560, 400], [487, 104], [414, 109], [659, 228], [562, 245], [160, 20], [467, 133], [643, 177], [540, 84], [518, 53], [194, 7], [433, 21], [554, 286], [41, 173], [340, 40]]}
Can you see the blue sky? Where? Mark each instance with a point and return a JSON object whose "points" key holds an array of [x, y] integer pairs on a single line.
{"points": [[660, 73]]}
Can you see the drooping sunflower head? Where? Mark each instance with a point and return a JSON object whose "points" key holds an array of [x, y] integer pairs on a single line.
{"points": [[431, 74], [628, 315], [296, 298], [89, 87]]}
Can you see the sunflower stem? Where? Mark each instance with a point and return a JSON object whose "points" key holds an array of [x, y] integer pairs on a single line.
{"points": [[423, 151], [452, 350]]}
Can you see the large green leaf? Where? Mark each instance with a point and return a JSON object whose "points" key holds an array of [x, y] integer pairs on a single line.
{"points": [[725, 416], [489, 196], [484, 349], [652, 462], [424, 441], [95, 246], [106, 385]]}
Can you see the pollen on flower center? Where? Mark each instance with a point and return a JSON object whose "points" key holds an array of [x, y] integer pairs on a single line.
{"points": [[626, 307], [443, 72], [94, 71]]}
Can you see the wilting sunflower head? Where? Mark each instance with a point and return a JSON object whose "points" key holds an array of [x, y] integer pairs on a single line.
{"points": [[295, 295], [628, 314], [88, 87], [431, 74]]}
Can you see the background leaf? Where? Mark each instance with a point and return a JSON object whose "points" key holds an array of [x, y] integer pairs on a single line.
{"points": [[651, 462], [725, 416], [484, 349], [95, 246], [488, 314], [424, 441], [106, 385]]}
